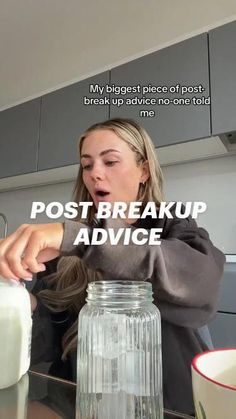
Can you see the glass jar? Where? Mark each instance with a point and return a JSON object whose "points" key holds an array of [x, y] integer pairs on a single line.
{"points": [[15, 332], [119, 364]]}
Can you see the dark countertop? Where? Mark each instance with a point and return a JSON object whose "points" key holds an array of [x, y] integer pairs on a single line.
{"points": [[39, 396]]}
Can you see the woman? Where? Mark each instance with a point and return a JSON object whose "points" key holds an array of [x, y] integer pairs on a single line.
{"points": [[118, 163]]}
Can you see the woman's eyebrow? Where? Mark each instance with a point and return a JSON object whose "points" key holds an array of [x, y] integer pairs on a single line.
{"points": [[101, 154]]}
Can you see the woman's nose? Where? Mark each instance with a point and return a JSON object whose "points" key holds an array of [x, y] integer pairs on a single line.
{"points": [[97, 173]]}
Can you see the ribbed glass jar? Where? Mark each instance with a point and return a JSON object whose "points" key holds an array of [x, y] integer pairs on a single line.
{"points": [[119, 367]]}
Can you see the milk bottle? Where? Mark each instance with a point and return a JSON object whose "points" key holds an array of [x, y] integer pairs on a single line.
{"points": [[14, 400], [15, 332]]}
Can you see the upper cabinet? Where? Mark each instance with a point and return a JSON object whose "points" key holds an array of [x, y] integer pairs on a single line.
{"points": [[64, 117], [167, 92], [222, 47], [182, 69], [19, 136]]}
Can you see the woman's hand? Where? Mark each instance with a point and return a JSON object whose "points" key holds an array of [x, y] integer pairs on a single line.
{"points": [[25, 251]]}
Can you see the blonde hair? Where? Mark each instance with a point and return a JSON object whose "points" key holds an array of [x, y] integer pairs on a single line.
{"points": [[68, 285]]}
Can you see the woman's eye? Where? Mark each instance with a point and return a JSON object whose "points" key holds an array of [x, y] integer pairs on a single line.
{"points": [[111, 162], [87, 167]]}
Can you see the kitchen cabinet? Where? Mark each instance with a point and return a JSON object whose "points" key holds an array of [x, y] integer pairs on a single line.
{"points": [[222, 53], [186, 64], [64, 117], [223, 327], [223, 330], [227, 301], [19, 136]]}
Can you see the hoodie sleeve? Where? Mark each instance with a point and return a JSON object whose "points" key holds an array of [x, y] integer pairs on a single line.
{"points": [[185, 270]]}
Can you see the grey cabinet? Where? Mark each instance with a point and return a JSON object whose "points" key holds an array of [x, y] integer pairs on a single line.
{"points": [[222, 50], [228, 289], [223, 330], [186, 64], [19, 135], [64, 117], [223, 327]]}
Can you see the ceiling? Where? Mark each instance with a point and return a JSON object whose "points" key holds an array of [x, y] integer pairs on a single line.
{"points": [[48, 44]]}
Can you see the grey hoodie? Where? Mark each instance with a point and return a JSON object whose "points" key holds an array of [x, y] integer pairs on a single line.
{"points": [[185, 272]]}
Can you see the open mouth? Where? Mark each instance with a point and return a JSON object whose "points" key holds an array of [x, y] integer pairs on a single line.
{"points": [[101, 193]]}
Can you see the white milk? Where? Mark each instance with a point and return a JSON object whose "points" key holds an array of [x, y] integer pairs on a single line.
{"points": [[15, 332]]}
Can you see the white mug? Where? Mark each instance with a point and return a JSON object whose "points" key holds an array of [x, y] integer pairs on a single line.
{"points": [[214, 384]]}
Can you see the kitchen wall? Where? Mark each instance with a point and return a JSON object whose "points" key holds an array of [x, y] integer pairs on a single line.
{"points": [[211, 181]]}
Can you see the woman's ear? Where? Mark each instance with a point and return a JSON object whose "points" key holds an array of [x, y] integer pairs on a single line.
{"points": [[145, 172]]}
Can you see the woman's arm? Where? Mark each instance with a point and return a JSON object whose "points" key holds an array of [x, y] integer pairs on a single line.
{"points": [[185, 269]]}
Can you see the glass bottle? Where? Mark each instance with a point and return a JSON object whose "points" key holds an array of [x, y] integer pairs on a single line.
{"points": [[119, 364], [15, 332]]}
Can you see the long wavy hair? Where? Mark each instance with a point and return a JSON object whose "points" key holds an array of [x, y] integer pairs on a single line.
{"points": [[67, 287]]}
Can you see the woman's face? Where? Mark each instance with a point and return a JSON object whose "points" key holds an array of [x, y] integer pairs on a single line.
{"points": [[110, 171]]}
